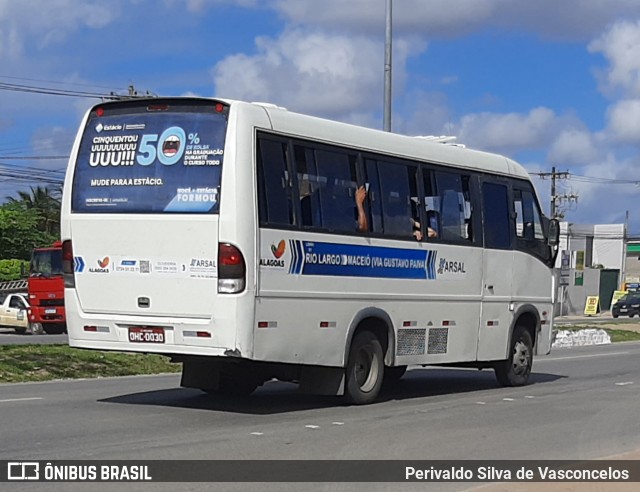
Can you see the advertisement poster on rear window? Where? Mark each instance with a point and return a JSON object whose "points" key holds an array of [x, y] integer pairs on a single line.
{"points": [[167, 162]]}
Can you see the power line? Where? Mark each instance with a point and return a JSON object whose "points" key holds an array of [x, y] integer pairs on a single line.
{"points": [[33, 157], [131, 92], [57, 82], [556, 199]]}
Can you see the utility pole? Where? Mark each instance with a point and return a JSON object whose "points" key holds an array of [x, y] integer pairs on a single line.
{"points": [[555, 198], [387, 69], [553, 192]]}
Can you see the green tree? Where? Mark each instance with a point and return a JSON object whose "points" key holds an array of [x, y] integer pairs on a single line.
{"points": [[46, 202], [20, 233]]}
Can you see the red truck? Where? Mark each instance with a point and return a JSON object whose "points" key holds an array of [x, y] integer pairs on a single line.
{"points": [[45, 287]]}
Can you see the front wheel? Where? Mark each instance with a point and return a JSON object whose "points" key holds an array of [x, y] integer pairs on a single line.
{"points": [[515, 370], [365, 369], [36, 328]]}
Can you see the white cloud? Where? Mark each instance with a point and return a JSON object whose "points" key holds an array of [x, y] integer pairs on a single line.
{"points": [[436, 17], [620, 45], [201, 5], [573, 19], [42, 22], [508, 132], [623, 120], [312, 72], [573, 147]]}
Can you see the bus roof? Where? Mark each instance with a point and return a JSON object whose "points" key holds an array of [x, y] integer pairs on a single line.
{"points": [[419, 148]]}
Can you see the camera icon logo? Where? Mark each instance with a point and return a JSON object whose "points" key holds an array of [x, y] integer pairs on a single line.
{"points": [[23, 470]]}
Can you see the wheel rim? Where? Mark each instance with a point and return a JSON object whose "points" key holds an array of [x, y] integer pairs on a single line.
{"points": [[366, 370], [521, 359]]}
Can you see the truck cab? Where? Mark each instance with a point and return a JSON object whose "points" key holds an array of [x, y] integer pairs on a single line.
{"points": [[46, 291]]}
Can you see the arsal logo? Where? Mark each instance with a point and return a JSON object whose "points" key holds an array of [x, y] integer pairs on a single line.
{"points": [[104, 263], [278, 251]]}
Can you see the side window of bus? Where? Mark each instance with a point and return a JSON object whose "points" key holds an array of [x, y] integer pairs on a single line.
{"points": [[496, 223], [397, 186], [373, 196], [309, 185], [453, 206], [274, 184], [337, 170]]}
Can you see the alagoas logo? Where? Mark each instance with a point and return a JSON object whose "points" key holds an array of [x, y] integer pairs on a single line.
{"points": [[277, 252], [103, 264], [448, 266]]}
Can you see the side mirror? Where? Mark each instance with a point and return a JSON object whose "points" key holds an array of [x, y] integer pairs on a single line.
{"points": [[553, 233]]}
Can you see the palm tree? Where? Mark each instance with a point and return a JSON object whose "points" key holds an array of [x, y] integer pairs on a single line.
{"points": [[46, 201]]}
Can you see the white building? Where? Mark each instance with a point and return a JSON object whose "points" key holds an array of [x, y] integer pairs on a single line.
{"points": [[591, 262]]}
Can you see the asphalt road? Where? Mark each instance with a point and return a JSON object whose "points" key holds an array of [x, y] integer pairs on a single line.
{"points": [[582, 404], [8, 336]]}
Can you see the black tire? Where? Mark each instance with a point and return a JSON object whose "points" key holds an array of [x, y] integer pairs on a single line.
{"points": [[365, 369], [21, 331], [394, 374], [36, 328], [515, 370], [615, 315]]}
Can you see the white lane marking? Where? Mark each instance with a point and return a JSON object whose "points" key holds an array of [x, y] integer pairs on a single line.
{"points": [[625, 383], [337, 423], [581, 356], [529, 396], [481, 403], [257, 433], [508, 399], [22, 399], [312, 426]]}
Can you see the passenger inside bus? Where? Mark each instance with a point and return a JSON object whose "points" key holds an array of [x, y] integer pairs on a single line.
{"points": [[363, 221], [417, 232]]}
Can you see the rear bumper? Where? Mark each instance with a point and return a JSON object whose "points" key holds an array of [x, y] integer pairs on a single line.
{"points": [[188, 336], [47, 314]]}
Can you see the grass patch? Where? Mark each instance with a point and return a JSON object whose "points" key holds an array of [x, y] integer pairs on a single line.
{"points": [[23, 363], [623, 335]]}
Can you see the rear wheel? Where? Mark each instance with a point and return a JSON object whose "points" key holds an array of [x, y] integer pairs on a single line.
{"points": [[365, 369], [615, 315], [515, 370]]}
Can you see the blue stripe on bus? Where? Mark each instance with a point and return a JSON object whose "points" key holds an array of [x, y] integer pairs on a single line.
{"points": [[350, 260]]}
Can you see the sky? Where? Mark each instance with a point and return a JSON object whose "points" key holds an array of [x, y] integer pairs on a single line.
{"points": [[550, 83]]}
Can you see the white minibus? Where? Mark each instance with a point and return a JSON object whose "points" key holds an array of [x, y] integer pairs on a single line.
{"points": [[248, 243]]}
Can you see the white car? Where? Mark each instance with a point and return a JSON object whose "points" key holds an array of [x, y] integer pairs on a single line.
{"points": [[13, 312]]}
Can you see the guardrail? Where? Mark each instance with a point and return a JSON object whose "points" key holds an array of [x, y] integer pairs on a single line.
{"points": [[13, 286]]}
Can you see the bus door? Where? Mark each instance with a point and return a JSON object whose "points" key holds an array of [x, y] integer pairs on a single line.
{"points": [[495, 316]]}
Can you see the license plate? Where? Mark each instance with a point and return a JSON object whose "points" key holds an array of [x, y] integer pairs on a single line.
{"points": [[623, 310], [50, 311], [146, 334]]}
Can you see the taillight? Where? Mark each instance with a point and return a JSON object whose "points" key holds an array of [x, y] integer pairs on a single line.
{"points": [[232, 270], [67, 264]]}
